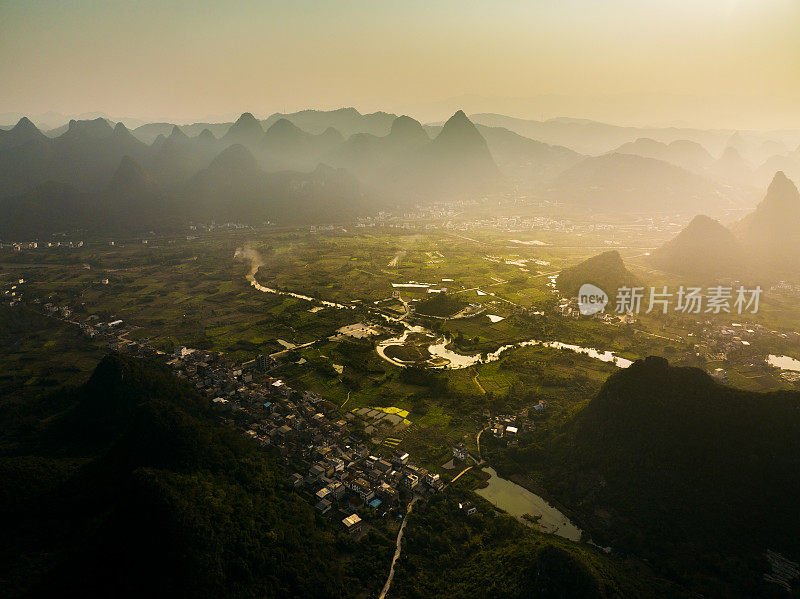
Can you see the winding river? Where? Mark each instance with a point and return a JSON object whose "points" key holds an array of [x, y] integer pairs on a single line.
{"points": [[439, 351], [440, 354], [255, 263], [506, 495]]}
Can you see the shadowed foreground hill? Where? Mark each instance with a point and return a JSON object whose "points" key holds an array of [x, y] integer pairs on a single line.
{"points": [[130, 487], [490, 555], [698, 478]]}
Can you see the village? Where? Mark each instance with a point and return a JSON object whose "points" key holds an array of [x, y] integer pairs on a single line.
{"points": [[328, 463], [328, 454], [333, 457]]}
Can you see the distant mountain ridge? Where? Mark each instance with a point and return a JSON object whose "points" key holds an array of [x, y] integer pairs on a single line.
{"points": [[260, 170], [232, 187], [85, 156], [23, 132], [704, 250], [777, 218], [246, 130], [457, 161], [348, 121], [394, 160], [626, 183], [772, 230], [764, 245], [686, 154]]}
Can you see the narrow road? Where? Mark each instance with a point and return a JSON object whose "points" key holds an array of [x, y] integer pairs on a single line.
{"points": [[288, 349], [678, 340], [464, 471], [478, 383], [124, 335], [406, 308], [397, 550], [468, 238], [491, 295]]}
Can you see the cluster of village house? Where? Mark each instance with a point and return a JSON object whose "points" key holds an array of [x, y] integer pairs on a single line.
{"points": [[332, 467], [329, 465], [509, 426], [569, 308], [12, 293]]}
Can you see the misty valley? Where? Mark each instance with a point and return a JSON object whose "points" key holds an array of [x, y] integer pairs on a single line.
{"points": [[475, 302], [388, 353]]}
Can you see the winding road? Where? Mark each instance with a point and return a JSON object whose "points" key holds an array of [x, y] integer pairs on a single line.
{"points": [[478, 383]]}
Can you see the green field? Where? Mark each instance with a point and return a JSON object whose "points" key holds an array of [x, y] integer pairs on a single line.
{"points": [[195, 292]]}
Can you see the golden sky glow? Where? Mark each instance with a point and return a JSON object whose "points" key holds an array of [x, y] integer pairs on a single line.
{"points": [[700, 61]]}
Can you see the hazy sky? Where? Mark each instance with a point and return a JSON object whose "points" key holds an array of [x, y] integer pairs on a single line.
{"points": [[708, 62]]}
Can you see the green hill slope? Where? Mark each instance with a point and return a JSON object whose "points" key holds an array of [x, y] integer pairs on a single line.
{"points": [[607, 271], [129, 486], [698, 478]]}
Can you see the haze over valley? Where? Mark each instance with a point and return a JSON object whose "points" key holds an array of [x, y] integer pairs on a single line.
{"points": [[400, 301]]}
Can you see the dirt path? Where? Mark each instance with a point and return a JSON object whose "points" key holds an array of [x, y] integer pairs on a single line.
{"points": [[478, 383], [398, 549], [656, 335], [397, 257], [277, 354], [478, 442], [464, 471], [468, 238]]}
